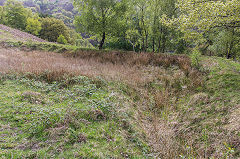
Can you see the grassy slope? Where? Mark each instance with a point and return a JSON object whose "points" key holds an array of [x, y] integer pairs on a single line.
{"points": [[10, 34], [10, 37], [53, 120], [207, 117], [209, 120], [88, 119]]}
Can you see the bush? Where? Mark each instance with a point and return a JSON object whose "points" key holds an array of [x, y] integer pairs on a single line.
{"points": [[52, 28], [33, 26], [61, 39], [16, 15], [195, 57]]}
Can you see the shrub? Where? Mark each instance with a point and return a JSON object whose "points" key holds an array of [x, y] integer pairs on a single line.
{"points": [[33, 26], [195, 57], [52, 28], [16, 15], [61, 39]]}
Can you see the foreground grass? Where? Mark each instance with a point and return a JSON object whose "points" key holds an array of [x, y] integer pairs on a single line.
{"points": [[183, 112], [208, 121], [80, 118]]}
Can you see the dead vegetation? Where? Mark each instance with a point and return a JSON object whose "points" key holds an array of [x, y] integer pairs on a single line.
{"points": [[131, 67]]}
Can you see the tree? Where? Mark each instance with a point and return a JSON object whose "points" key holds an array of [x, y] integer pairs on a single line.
{"points": [[16, 14], [144, 16], [134, 37], [198, 18], [52, 28], [2, 15], [100, 17], [33, 26], [161, 34], [140, 20], [203, 15]]}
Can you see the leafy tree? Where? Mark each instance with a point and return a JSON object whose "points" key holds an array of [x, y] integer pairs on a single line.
{"points": [[197, 19], [144, 16], [52, 28], [101, 17], [203, 15], [161, 34], [2, 15], [61, 39], [224, 43], [16, 14], [140, 20], [134, 37], [33, 26]]}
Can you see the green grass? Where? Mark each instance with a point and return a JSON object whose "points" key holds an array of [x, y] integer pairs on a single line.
{"points": [[54, 120], [47, 46], [4, 35]]}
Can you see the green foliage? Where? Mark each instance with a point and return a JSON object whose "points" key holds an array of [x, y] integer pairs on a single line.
{"points": [[198, 20], [134, 37], [52, 28], [81, 119], [207, 15], [2, 15], [33, 26], [195, 57], [61, 39], [83, 43], [101, 18], [225, 43], [62, 10], [16, 14]]}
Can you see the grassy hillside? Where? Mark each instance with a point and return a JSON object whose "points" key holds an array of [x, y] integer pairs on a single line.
{"points": [[10, 37], [111, 104], [10, 34], [68, 119], [94, 104]]}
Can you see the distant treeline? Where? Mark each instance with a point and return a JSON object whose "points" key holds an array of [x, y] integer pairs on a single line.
{"points": [[212, 27], [61, 9], [172, 26], [14, 14]]}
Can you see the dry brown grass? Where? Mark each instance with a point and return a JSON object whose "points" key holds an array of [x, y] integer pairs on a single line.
{"points": [[128, 67]]}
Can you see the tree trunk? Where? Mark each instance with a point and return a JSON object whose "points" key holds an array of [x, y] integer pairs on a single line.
{"points": [[160, 40], [163, 40], [153, 45], [102, 41], [159, 44], [163, 44], [230, 51], [146, 45], [154, 32], [143, 44]]}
